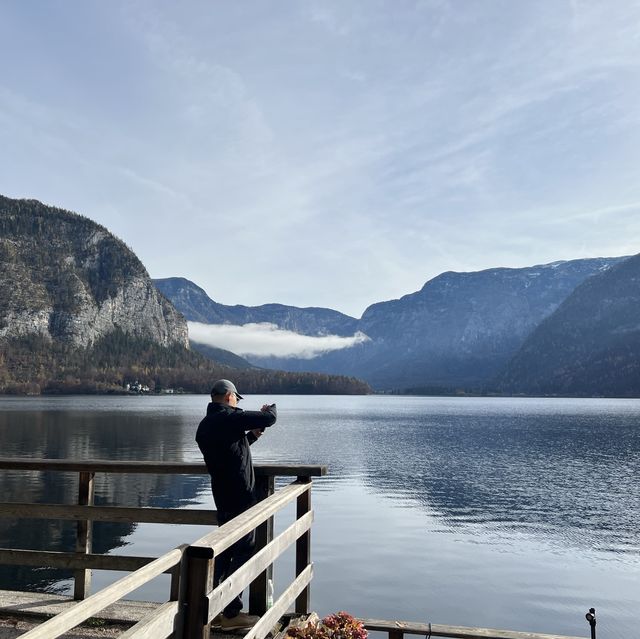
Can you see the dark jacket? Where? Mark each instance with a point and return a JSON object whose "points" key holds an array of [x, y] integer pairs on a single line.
{"points": [[223, 439]]}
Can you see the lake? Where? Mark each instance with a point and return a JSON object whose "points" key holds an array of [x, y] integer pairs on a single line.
{"points": [[496, 512]]}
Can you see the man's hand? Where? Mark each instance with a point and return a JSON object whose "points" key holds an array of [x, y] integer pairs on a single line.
{"points": [[265, 408], [257, 433]]}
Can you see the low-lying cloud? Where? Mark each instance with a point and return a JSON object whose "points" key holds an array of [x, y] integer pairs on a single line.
{"points": [[267, 340]]}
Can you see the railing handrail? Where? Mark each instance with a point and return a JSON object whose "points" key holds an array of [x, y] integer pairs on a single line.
{"points": [[152, 467], [122, 514], [215, 543], [396, 630], [93, 604], [188, 564], [226, 535], [238, 581], [204, 601]]}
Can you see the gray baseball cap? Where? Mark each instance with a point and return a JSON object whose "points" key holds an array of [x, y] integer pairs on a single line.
{"points": [[224, 386]]}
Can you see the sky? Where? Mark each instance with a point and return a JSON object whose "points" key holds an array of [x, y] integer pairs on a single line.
{"points": [[329, 153]]}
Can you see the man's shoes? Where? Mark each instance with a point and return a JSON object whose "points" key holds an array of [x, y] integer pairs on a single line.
{"points": [[240, 621], [217, 622]]}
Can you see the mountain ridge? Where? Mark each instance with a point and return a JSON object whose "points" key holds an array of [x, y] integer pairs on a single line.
{"points": [[194, 303], [590, 345], [79, 313], [458, 330]]}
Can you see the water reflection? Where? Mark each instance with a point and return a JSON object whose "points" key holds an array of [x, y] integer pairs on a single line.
{"points": [[482, 512], [563, 469], [90, 434], [571, 478]]}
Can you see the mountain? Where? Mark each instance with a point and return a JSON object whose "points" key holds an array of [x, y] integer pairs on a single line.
{"points": [[79, 313], [221, 356], [590, 345], [459, 330], [65, 278], [197, 306]]}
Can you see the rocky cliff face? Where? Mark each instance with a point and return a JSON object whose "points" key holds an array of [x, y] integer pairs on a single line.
{"points": [[65, 278]]}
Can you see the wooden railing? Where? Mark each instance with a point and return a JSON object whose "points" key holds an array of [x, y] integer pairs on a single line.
{"points": [[398, 629], [192, 602]]}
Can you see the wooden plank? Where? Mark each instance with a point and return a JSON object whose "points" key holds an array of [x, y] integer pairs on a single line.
{"points": [[238, 581], [159, 624], [290, 470], [71, 560], [272, 616], [303, 550], [243, 524], [456, 632], [178, 592], [161, 468], [200, 517], [68, 619], [461, 632], [384, 625], [199, 576], [45, 606], [259, 588], [104, 466], [84, 534]]}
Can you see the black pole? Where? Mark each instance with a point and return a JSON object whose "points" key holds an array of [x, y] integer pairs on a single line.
{"points": [[591, 618]]}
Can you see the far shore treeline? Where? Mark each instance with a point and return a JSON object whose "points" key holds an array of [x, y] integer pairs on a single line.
{"points": [[34, 366]]}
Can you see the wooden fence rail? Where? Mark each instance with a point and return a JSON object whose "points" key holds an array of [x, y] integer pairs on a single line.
{"points": [[193, 602], [85, 513], [83, 610], [397, 630], [202, 553], [193, 599]]}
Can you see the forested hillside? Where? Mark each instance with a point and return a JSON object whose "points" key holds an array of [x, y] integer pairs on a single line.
{"points": [[590, 345], [79, 313]]}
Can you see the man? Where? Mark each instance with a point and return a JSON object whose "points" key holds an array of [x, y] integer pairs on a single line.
{"points": [[224, 437]]}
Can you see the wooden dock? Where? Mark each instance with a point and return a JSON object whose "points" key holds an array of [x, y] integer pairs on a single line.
{"points": [[39, 606], [192, 601]]}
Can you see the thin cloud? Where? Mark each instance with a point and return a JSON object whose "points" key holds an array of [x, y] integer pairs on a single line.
{"points": [[267, 340], [423, 137]]}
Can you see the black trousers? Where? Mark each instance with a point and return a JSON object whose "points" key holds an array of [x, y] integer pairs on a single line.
{"points": [[232, 558]]}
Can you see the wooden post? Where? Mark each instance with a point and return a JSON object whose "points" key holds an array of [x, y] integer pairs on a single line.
{"points": [[176, 583], [303, 548], [199, 583], [178, 592], [82, 578], [259, 589]]}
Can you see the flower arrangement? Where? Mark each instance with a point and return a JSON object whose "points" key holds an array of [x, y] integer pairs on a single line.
{"points": [[340, 625]]}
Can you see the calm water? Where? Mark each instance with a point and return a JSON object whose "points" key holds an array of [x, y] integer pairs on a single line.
{"points": [[507, 513]]}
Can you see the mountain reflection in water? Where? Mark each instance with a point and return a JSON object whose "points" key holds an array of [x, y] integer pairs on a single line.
{"points": [[493, 512], [577, 475], [566, 469], [69, 434]]}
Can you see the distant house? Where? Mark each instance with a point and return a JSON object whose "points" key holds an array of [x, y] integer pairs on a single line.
{"points": [[136, 387]]}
